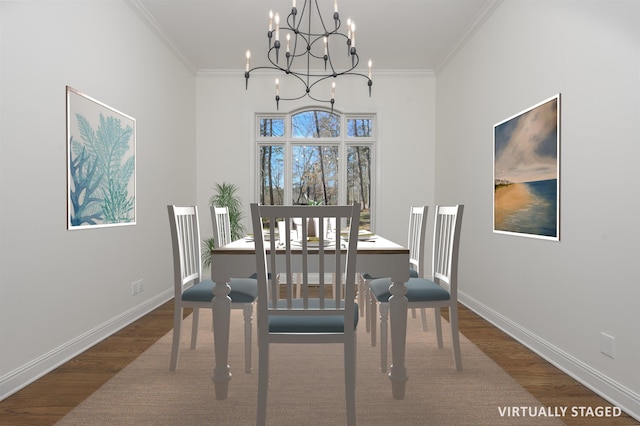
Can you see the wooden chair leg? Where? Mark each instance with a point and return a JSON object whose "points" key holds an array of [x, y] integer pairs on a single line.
{"points": [[247, 310], [423, 316], [194, 327], [384, 326], [350, 378], [455, 337], [438, 327], [175, 344], [263, 384], [361, 297], [367, 300], [372, 314]]}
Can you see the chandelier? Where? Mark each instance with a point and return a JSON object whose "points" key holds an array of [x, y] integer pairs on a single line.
{"points": [[310, 53]]}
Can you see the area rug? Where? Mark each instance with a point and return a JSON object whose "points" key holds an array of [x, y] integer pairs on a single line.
{"points": [[307, 386]]}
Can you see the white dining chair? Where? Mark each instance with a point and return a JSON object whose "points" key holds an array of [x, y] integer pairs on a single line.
{"points": [[221, 226], [191, 291], [323, 317], [221, 222], [438, 292], [415, 244]]}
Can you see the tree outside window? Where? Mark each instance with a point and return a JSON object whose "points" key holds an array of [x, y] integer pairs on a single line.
{"points": [[305, 158]]}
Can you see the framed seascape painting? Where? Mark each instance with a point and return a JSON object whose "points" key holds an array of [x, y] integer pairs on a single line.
{"points": [[101, 164], [526, 172]]}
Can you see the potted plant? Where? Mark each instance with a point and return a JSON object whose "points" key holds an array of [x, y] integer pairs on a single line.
{"points": [[225, 195]]}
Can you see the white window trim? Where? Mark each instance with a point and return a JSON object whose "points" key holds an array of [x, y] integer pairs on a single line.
{"points": [[343, 142]]}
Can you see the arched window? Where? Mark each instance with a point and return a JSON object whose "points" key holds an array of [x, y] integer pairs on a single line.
{"points": [[316, 156]]}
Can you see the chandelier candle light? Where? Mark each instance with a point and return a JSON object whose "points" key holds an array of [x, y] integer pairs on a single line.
{"points": [[308, 51]]}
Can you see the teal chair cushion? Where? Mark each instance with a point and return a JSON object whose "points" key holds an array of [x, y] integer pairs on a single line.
{"points": [[312, 323], [412, 274], [243, 290], [418, 290]]}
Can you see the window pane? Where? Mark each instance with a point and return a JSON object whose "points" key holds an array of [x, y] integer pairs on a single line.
{"points": [[271, 127], [271, 174], [315, 124], [359, 127], [359, 181], [315, 174]]}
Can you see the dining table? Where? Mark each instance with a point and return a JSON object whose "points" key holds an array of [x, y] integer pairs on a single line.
{"points": [[376, 255]]}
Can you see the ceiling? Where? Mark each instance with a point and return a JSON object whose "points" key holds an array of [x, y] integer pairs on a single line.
{"points": [[396, 35]]}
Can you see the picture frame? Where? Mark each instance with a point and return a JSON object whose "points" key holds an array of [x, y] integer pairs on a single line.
{"points": [[526, 172], [101, 164]]}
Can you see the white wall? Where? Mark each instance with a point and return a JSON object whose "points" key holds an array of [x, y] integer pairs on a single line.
{"points": [[556, 297], [405, 106], [61, 291]]}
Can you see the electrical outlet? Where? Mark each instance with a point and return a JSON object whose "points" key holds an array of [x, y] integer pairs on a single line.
{"points": [[607, 344], [134, 288], [140, 286]]}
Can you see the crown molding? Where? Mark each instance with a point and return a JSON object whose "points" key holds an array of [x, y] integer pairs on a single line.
{"points": [[385, 73], [478, 22], [150, 21]]}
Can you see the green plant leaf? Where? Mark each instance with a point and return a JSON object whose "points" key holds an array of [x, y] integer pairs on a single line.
{"points": [[226, 196]]}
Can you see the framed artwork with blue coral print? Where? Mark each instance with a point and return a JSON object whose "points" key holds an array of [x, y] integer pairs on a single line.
{"points": [[101, 164]]}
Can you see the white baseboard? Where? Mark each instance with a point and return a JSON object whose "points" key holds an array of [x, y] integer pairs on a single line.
{"points": [[614, 392], [26, 374]]}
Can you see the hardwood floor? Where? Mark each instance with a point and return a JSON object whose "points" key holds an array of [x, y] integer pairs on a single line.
{"points": [[47, 400]]}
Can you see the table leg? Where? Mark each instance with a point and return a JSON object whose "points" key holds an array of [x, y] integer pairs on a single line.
{"points": [[398, 324], [221, 321]]}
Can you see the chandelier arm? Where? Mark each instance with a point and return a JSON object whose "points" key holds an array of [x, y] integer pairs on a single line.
{"points": [[267, 67], [292, 18], [319, 17], [309, 72], [296, 55], [318, 81], [330, 101], [275, 64], [295, 99], [326, 101], [354, 62], [277, 68], [309, 33], [355, 74], [300, 76]]}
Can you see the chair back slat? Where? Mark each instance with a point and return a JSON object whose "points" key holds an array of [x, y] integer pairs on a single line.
{"points": [[280, 255], [185, 236], [416, 242], [446, 237], [221, 226]]}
